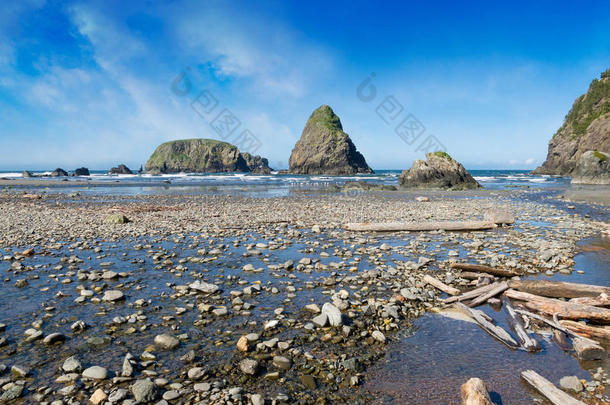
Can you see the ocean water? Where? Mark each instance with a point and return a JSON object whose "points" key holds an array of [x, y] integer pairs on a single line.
{"points": [[274, 184]]}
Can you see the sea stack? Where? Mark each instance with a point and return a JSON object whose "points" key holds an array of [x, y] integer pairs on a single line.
{"points": [[439, 170], [585, 128], [204, 156], [120, 169], [325, 149]]}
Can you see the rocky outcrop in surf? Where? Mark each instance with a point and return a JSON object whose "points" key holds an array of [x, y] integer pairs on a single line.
{"points": [[325, 149], [204, 156], [439, 170]]}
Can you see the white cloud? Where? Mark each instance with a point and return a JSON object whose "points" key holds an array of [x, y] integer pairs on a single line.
{"points": [[270, 55]]}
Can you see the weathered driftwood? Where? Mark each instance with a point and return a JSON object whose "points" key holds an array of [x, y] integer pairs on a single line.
{"points": [[474, 392], [562, 340], [548, 390], [419, 226], [471, 294], [494, 330], [470, 275], [440, 285], [596, 332], [551, 323], [602, 300], [485, 269], [558, 289], [587, 350], [527, 342], [500, 288], [560, 308]]}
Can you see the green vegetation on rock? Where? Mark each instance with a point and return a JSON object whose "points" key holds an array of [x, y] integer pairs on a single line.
{"points": [[325, 118], [585, 128], [590, 106], [325, 149], [600, 156], [203, 156], [442, 155], [116, 219]]}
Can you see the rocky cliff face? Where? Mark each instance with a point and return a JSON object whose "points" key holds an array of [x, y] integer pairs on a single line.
{"points": [[325, 149], [203, 156], [586, 127], [438, 171], [593, 168]]}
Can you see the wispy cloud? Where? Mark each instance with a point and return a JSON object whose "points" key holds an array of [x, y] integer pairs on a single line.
{"points": [[266, 52]]}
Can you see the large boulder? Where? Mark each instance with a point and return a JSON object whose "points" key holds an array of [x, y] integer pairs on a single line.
{"points": [[120, 169], [586, 127], [203, 156], [325, 149], [59, 172], [438, 171], [81, 171], [593, 168]]}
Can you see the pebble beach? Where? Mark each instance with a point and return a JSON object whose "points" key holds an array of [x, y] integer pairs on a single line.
{"points": [[229, 299]]}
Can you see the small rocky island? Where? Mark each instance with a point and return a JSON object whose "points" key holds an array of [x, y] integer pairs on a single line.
{"points": [[439, 170], [204, 156], [325, 149], [586, 129]]}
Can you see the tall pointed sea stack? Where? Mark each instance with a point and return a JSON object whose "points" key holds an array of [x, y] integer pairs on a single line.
{"points": [[325, 149]]}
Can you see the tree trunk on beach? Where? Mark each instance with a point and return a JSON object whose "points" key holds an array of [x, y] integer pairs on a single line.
{"points": [[562, 309], [420, 226], [558, 289], [485, 269], [548, 390]]}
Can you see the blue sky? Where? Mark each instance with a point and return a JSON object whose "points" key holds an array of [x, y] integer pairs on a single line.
{"points": [[91, 83]]}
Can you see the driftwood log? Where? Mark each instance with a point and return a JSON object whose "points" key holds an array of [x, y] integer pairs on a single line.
{"points": [[548, 390], [602, 300], [471, 294], [419, 226], [558, 289], [527, 342], [440, 285], [562, 340], [474, 392], [596, 332], [494, 330], [551, 323], [470, 275], [562, 309], [484, 269], [500, 288], [587, 350]]}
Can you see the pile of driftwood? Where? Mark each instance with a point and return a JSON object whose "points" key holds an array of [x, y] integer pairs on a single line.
{"points": [[578, 315]]}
